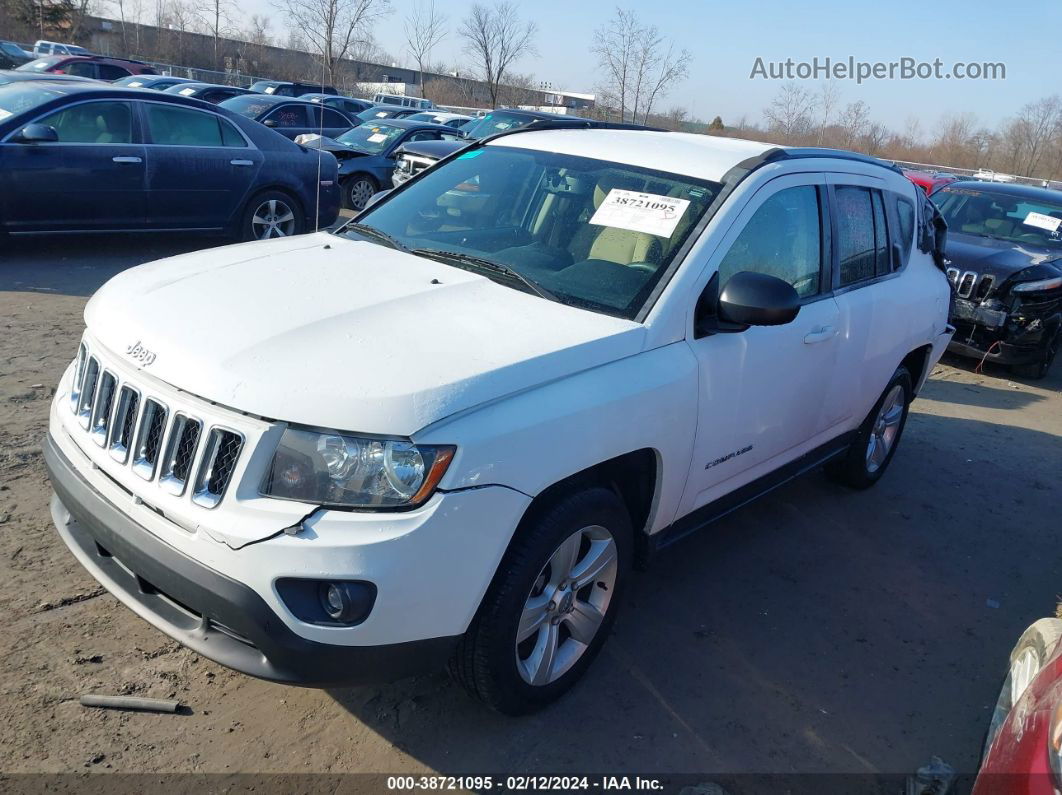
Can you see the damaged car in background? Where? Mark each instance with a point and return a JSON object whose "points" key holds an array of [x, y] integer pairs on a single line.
{"points": [[1005, 263], [367, 153]]}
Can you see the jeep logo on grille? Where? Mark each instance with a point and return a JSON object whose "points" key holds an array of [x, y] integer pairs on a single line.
{"points": [[140, 353]]}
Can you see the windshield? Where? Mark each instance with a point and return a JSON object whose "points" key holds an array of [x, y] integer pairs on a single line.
{"points": [[587, 232], [496, 122], [10, 48], [40, 65], [376, 112], [369, 137], [24, 95], [1000, 216]]}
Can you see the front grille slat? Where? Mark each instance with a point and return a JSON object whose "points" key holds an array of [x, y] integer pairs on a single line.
{"points": [[181, 445], [101, 410], [170, 447], [149, 439], [222, 451], [966, 284]]}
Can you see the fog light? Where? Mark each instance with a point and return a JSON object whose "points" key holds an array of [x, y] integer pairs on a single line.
{"points": [[344, 602]]}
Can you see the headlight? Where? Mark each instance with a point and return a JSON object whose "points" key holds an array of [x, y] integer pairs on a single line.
{"points": [[355, 472], [1035, 287]]}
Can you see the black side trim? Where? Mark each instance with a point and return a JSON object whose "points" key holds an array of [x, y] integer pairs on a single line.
{"points": [[210, 613], [706, 514]]}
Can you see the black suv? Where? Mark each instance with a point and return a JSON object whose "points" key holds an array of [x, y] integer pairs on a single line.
{"points": [[1004, 259], [281, 88]]}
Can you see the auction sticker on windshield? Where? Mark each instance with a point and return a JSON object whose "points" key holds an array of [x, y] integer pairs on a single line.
{"points": [[1041, 221], [640, 212]]}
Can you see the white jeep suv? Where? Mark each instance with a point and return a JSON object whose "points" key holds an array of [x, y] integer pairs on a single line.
{"points": [[445, 433]]}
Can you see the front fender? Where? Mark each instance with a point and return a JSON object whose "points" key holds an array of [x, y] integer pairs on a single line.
{"points": [[538, 437]]}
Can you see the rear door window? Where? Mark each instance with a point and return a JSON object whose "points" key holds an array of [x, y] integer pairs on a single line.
{"points": [[862, 239], [82, 69], [111, 72], [172, 126]]}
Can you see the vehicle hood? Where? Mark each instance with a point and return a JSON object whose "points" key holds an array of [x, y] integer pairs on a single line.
{"points": [[323, 142], [436, 150], [325, 331], [1002, 259]]}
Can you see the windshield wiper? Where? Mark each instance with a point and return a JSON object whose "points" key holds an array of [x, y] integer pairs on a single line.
{"points": [[376, 234], [459, 259]]}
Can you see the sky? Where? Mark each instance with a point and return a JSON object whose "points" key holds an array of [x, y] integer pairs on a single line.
{"points": [[726, 38]]}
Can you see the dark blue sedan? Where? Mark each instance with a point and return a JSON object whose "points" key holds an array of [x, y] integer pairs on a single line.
{"points": [[367, 153], [80, 157]]}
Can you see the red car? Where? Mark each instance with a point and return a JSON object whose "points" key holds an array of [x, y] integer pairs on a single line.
{"points": [[926, 181], [98, 67], [1023, 747]]}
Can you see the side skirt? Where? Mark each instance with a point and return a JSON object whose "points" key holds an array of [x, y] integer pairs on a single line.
{"points": [[706, 514]]}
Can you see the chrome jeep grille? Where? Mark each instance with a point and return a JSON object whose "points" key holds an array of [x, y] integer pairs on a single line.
{"points": [[969, 285], [169, 446]]}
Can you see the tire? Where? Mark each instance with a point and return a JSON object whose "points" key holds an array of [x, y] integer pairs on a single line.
{"points": [[862, 466], [1028, 658], [357, 190], [271, 204], [516, 678], [1041, 368]]}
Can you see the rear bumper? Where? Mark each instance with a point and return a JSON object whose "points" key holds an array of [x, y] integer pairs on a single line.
{"points": [[212, 614]]}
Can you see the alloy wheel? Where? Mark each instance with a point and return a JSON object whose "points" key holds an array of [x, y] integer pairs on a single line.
{"points": [[273, 218], [361, 191], [567, 605], [885, 429]]}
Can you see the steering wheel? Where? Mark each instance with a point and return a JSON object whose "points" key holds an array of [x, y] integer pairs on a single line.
{"points": [[648, 267]]}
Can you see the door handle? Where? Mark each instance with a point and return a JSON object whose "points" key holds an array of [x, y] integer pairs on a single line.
{"points": [[242, 162], [123, 159], [820, 334]]}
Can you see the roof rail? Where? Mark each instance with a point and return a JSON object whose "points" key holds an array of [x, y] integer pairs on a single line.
{"points": [[570, 124], [840, 154]]}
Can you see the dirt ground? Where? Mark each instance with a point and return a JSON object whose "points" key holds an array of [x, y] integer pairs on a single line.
{"points": [[820, 630]]}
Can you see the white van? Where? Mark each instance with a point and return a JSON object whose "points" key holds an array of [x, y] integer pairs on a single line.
{"points": [[43, 47], [445, 431], [405, 102]]}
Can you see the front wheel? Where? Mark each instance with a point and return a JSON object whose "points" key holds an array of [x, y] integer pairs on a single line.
{"points": [[358, 191], [551, 605], [876, 440]]}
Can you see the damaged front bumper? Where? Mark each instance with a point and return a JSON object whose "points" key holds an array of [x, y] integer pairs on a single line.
{"points": [[1011, 333]]}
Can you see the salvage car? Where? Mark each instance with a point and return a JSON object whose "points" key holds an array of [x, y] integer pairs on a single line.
{"points": [[1005, 262], [12, 56], [477, 403], [419, 156], [289, 117], [77, 156], [348, 106], [97, 67], [366, 154], [154, 82], [455, 120], [381, 112], [1023, 747], [213, 93], [927, 181], [282, 88]]}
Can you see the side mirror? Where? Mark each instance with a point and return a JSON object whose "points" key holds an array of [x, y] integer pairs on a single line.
{"points": [[37, 134], [747, 299], [270, 123]]}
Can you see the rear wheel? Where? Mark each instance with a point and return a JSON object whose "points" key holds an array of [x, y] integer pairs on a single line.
{"points": [[271, 214], [358, 190], [877, 438], [551, 605]]}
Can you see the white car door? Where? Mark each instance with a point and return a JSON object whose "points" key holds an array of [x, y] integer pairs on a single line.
{"points": [[763, 390]]}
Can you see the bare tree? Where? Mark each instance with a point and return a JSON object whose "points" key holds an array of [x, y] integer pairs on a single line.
{"points": [[854, 123], [333, 27], [789, 114], [213, 15], [638, 63], [425, 28], [495, 37], [829, 94]]}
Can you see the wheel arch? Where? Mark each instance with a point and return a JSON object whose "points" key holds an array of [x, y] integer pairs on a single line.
{"points": [[916, 363]]}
